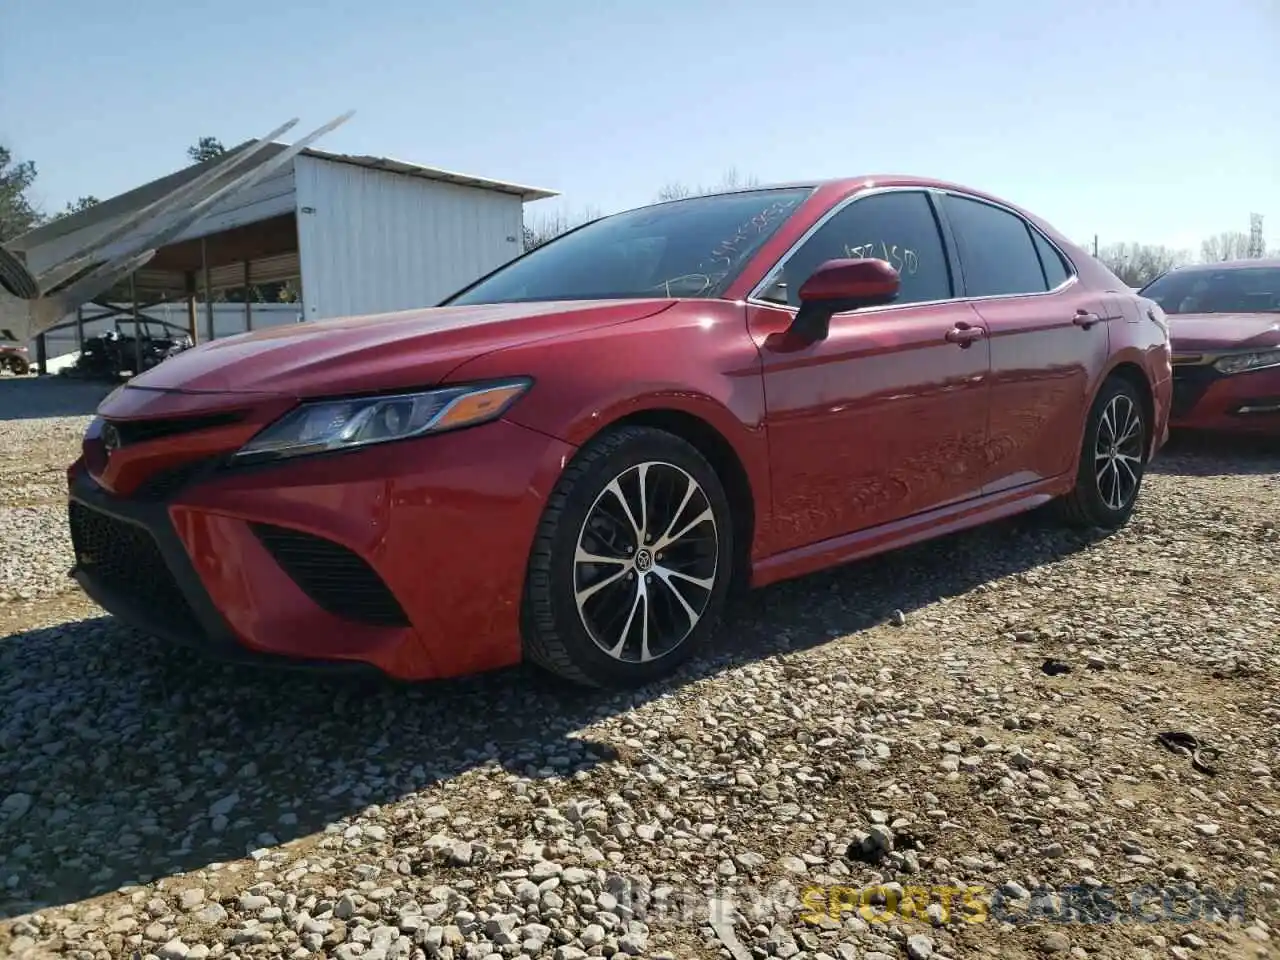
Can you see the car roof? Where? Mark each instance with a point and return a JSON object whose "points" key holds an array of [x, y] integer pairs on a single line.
{"points": [[1243, 264], [845, 184]]}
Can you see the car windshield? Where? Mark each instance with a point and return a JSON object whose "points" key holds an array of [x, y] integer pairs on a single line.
{"points": [[1205, 290], [686, 248]]}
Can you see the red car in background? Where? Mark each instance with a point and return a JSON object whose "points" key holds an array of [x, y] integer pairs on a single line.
{"points": [[574, 458], [1225, 330]]}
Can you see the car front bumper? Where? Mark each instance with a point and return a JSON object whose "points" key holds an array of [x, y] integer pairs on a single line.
{"points": [[1205, 399], [408, 558]]}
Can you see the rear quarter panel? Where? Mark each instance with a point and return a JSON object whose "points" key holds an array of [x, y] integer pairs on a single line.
{"points": [[696, 358]]}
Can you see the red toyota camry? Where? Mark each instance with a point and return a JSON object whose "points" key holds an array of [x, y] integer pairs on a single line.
{"points": [[1225, 328], [572, 459]]}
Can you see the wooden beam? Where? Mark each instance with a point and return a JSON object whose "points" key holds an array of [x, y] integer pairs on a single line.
{"points": [[267, 238], [192, 327], [208, 291], [248, 299]]}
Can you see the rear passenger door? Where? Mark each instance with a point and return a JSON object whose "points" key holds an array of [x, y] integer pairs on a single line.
{"points": [[1048, 336]]}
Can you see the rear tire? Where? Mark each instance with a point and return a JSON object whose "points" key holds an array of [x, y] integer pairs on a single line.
{"points": [[661, 571], [1112, 459]]}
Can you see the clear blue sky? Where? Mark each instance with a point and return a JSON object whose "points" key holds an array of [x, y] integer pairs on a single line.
{"points": [[1149, 120]]}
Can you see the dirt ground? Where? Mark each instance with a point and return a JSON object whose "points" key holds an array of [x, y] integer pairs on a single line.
{"points": [[970, 727]]}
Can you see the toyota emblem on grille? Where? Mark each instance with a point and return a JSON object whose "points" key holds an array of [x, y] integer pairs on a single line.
{"points": [[110, 438]]}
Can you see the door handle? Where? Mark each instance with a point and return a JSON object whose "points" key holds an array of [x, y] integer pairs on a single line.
{"points": [[1084, 318], [964, 335]]}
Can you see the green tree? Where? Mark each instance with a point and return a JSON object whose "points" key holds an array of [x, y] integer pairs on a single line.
{"points": [[76, 206], [206, 148], [18, 213]]}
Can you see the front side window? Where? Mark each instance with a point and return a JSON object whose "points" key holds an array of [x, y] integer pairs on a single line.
{"points": [[996, 250], [1206, 290], [898, 227], [686, 248]]}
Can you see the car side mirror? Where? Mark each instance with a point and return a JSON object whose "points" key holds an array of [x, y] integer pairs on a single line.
{"points": [[840, 285]]}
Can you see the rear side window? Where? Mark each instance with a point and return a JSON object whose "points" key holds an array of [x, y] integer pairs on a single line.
{"points": [[1055, 270], [897, 227], [996, 250]]}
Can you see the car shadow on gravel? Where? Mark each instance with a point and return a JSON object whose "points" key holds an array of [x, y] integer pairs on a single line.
{"points": [[1214, 455], [132, 760], [33, 398]]}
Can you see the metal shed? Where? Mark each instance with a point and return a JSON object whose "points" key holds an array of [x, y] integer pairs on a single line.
{"points": [[352, 234]]}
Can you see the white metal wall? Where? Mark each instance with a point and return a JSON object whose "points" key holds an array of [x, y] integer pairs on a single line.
{"points": [[373, 242]]}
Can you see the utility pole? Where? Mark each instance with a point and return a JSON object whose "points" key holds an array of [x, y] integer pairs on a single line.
{"points": [[1095, 245], [1257, 245]]}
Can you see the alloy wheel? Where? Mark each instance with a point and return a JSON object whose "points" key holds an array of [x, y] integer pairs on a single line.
{"points": [[1118, 452], [646, 562]]}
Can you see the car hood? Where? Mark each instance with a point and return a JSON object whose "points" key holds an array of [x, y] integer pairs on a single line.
{"points": [[1203, 332], [393, 351]]}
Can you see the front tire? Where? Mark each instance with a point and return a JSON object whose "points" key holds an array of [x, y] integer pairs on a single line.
{"points": [[632, 561], [1112, 459]]}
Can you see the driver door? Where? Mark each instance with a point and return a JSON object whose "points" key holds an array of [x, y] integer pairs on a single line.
{"points": [[887, 416]]}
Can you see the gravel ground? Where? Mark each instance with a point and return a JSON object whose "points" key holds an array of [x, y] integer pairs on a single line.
{"points": [[980, 714]]}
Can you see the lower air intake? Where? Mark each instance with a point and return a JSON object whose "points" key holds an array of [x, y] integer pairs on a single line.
{"points": [[336, 580]]}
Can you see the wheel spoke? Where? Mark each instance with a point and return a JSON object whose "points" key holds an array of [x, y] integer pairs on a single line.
{"points": [[645, 653], [582, 556], [706, 583], [1107, 425], [666, 541], [689, 489], [664, 577], [616, 489], [582, 596], [617, 649], [1133, 427], [643, 532]]}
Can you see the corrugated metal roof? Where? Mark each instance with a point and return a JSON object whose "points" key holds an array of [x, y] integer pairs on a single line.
{"points": [[123, 204], [392, 165]]}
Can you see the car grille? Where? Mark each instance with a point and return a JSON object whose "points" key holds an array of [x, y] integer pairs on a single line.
{"points": [[1189, 385], [165, 483], [126, 560], [139, 431], [335, 579]]}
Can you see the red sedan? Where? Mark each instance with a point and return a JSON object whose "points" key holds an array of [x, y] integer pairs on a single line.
{"points": [[1225, 320], [573, 459]]}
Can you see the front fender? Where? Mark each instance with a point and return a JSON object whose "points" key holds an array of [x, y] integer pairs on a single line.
{"points": [[700, 364]]}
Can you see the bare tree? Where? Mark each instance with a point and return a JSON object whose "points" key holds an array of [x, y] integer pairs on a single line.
{"points": [[731, 179], [1137, 264], [548, 227], [1228, 245]]}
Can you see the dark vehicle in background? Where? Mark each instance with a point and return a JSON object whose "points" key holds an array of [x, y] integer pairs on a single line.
{"points": [[1225, 330], [14, 359], [108, 355]]}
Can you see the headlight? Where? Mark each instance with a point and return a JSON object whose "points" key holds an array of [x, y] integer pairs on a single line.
{"points": [[1242, 362], [321, 426]]}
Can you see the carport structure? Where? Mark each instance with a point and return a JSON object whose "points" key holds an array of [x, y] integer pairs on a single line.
{"points": [[348, 234]]}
